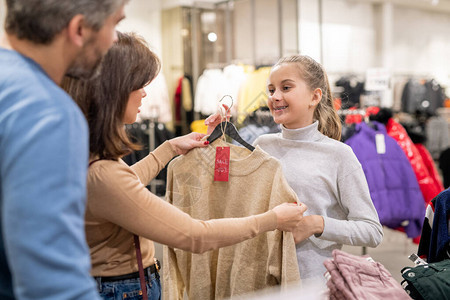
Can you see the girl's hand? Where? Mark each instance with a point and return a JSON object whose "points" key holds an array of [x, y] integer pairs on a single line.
{"points": [[213, 120], [289, 216], [183, 144], [308, 226]]}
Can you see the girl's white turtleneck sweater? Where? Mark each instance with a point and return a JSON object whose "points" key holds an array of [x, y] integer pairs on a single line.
{"points": [[328, 178]]}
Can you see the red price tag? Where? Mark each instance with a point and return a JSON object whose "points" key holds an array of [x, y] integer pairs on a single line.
{"points": [[222, 166]]}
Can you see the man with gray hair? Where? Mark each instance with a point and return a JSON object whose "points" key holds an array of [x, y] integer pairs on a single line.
{"points": [[44, 144]]}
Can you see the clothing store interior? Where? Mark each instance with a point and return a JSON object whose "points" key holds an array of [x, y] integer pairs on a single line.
{"points": [[389, 72]]}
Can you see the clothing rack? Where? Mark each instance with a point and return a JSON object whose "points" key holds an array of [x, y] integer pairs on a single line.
{"points": [[346, 74], [347, 111], [412, 75]]}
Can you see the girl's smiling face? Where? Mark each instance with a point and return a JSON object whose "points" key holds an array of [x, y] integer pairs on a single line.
{"points": [[291, 101]]}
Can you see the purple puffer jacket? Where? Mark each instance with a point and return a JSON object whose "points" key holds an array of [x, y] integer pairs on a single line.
{"points": [[393, 186]]}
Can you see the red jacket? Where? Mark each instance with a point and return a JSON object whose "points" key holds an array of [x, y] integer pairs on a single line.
{"points": [[427, 183], [429, 163]]}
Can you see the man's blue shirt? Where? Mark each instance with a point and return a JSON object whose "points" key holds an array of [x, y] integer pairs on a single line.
{"points": [[43, 165]]}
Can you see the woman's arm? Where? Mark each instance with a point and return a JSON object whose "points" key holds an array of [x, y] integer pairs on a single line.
{"points": [[130, 205], [150, 166]]}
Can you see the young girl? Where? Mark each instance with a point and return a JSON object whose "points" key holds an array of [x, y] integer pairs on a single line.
{"points": [[118, 203], [323, 171]]}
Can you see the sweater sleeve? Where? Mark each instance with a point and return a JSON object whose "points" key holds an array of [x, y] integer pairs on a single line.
{"points": [[362, 227], [282, 254], [132, 206], [150, 166]]}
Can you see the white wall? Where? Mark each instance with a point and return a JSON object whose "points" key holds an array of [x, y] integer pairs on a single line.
{"points": [[348, 34], [242, 32], [309, 29], [351, 42], [422, 43], [266, 32], [262, 45], [357, 36], [144, 18]]}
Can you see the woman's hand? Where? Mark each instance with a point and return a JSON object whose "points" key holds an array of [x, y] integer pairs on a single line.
{"points": [[213, 120], [289, 215], [308, 226], [183, 144]]}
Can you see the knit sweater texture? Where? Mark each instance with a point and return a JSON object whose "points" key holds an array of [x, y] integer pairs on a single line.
{"points": [[328, 178], [256, 184], [119, 205]]}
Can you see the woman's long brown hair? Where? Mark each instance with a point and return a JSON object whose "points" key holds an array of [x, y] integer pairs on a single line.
{"points": [[128, 66]]}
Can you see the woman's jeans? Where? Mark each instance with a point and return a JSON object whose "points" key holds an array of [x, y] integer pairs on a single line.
{"points": [[130, 289]]}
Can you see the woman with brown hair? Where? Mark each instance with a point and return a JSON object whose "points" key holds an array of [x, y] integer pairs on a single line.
{"points": [[119, 206]]}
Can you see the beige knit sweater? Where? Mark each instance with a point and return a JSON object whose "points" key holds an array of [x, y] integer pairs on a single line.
{"points": [[256, 184], [119, 205]]}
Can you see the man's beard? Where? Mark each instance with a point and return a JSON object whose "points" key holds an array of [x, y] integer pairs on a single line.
{"points": [[82, 68]]}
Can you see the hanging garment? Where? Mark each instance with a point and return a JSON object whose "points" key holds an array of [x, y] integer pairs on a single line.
{"points": [[444, 165], [186, 97], [199, 126], [257, 123], [149, 135], [235, 77], [425, 238], [182, 104], [352, 277], [393, 186], [256, 184], [434, 243], [413, 96], [399, 86], [251, 132], [426, 182], [187, 116], [434, 95], [209, 90], [177, 101], [347, 131], [156, 104], [437, 136], [353, 89], [253, 93], [429, 164], [178, 126], [423, 96], [416, 131]]}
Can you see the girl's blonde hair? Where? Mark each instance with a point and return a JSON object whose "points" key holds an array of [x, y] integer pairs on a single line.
{"points": [[315, 77]]}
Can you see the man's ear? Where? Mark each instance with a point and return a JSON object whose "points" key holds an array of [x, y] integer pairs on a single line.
{"points": [[76, 30]]}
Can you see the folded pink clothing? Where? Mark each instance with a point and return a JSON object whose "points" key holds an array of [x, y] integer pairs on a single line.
{"points": [[336, 284], [365, 278]]}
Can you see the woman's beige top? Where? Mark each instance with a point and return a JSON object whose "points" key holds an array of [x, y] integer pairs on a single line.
{"points": [[119, 205]]}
